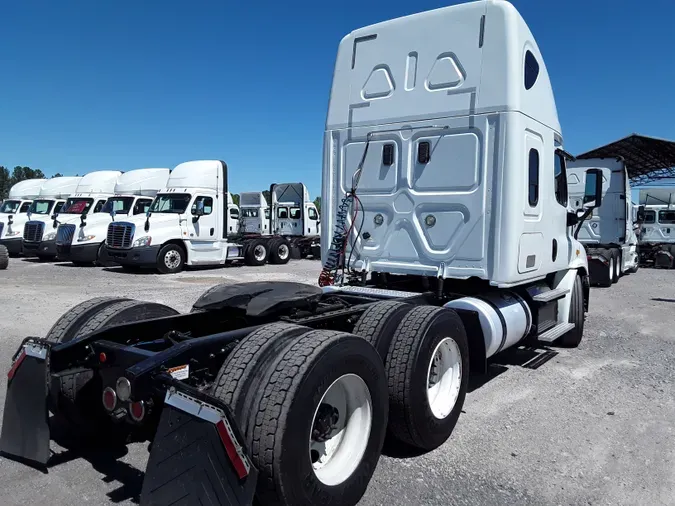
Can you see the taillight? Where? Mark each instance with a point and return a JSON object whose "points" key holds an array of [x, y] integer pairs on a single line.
{"points": [[109, 399], [137, 411]]}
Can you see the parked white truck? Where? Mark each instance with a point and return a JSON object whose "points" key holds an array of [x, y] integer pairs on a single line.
{"points": [[53, 195], [610, 234], [14, 213], [446, 240], [191, 222], [289, 228], [83, 243], [91, 193], [657, 235]]}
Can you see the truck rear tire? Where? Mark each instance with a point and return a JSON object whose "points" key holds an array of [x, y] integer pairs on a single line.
{"points": [[256, 253], [240, 376], [379, 322], [573, 338], [280, 251], [4, 258], [428, 372], [332, 386], [78, 399]]}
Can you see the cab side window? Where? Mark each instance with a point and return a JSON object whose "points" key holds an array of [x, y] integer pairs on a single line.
{"points": [[533, 178], [560, 182], [99, 206], [24, 207], [208, 204], [311, 212], [142, 206]]}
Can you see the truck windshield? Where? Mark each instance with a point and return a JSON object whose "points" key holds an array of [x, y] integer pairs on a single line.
{"points": [[121, 205], [175, 203], [10, 206], [76, 206], [41, 206], [249, 213]]}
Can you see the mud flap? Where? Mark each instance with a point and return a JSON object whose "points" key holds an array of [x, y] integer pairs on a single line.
{"points": [[25, 421], [196, 457]]}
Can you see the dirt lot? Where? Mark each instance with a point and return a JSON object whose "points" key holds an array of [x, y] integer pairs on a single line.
{"points": [[590, 426]]}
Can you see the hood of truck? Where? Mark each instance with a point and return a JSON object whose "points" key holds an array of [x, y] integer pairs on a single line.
{"points": [[163, 226]]}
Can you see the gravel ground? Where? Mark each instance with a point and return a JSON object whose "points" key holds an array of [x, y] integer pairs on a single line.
{"points": [[591, 426]]}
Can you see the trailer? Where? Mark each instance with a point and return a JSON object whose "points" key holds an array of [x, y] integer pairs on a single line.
{"points": [[14, 213], [657, 237], [134, 192], [446, 239], [610, 233], [90, 195]]}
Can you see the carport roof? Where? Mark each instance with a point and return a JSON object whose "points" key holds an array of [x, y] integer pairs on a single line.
{"points": [[647, 158]]}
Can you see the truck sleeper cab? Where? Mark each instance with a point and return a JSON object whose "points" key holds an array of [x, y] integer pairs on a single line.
{"points": [[135, 191], [609, 233], [295, 216], [447, 240], [188, 223], [90, 195], [14, 213]]}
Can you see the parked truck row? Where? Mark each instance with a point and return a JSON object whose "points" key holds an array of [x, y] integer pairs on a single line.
{"points": [[657, 237], [448, 235], [106, 217]]}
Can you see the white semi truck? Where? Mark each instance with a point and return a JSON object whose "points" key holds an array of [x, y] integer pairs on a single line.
{"points": [[191, 222], [446, 240], [610, 234], [14, 213], [53, 195], [289, 228], [657, 235], [83, 243], [91, 193]]}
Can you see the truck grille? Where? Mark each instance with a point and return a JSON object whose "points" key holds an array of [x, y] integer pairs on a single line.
{"points": [[33, 230], [120, 234], [65, 234]]}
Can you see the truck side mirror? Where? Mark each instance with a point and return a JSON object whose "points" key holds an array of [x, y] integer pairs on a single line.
{"points": [[640, 214], [198, 209], [593, 189]]}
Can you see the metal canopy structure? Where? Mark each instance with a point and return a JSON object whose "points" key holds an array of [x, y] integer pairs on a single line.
{"points": [[647, 158]]}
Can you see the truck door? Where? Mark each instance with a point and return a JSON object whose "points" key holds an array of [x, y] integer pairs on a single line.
{"points": [[204, 228], [312, 221]]}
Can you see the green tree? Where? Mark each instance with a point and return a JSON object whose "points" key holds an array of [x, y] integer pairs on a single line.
{"points": [[235, 199], [5, 182], [22, 173], [317, 203], [58, 174]]}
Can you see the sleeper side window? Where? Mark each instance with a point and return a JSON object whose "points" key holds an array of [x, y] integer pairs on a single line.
{"points": [[533, 178]]}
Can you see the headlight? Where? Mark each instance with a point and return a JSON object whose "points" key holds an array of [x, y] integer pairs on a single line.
{"points": [[86, 238], [49, 236], [142, 241]]}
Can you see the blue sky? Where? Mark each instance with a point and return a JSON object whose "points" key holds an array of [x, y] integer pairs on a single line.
{"points": [[92, 85]]}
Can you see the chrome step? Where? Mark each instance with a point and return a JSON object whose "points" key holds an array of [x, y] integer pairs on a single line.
{"points": [[558, 331], [551, 295]]}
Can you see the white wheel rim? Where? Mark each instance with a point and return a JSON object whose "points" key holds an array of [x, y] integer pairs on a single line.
{"points": [[444, 377], [340, 430], [283, 252], [172, 259], [611, 267], [259, 252], [618, 267]]}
